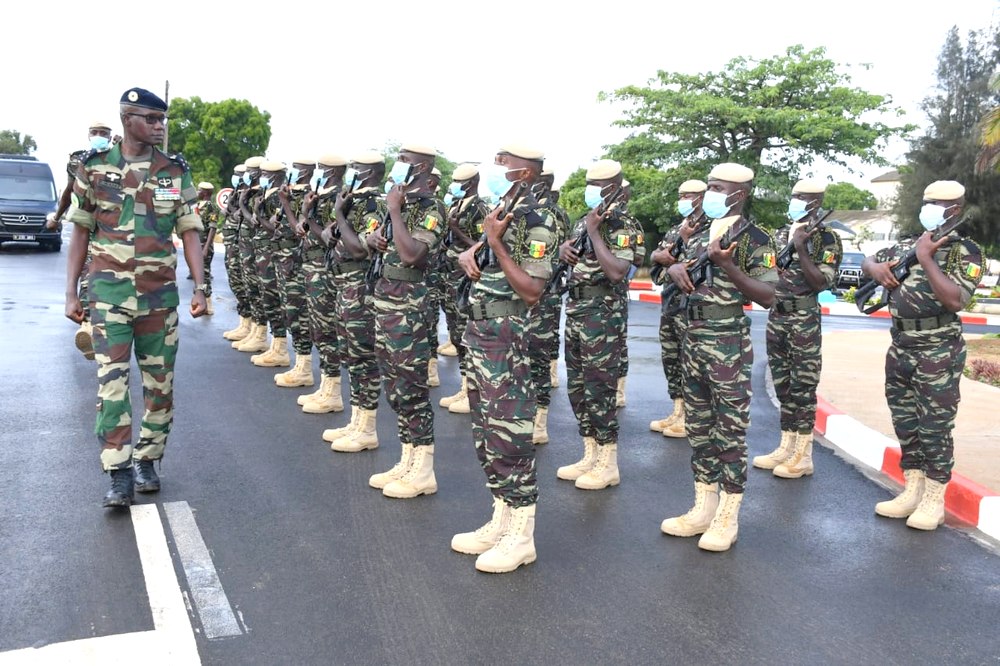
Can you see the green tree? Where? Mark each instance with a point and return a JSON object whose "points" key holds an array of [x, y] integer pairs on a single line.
{"points": [[11, 143], [777, 115], [844, 196], [216, 136], [949, 148]]}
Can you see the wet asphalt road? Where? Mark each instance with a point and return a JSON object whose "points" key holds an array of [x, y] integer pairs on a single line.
{"points": [[322, 569]]}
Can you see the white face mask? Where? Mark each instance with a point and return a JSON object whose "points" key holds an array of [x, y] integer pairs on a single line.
{"points": [[932, 216]]}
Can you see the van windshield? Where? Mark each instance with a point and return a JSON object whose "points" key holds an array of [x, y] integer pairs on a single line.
{"points": [[23, 188]]}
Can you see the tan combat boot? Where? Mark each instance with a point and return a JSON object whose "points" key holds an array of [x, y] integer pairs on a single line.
{"points": [[554, 373], [363, 436], [419, 478], [784, 451], [604, 473], [907, 501], [276, 356], [581, 466], [620, 393], [487, 536], [84, 340], [678, 427], [397, 471], [209, 308], [255, 341], [329, 399], [516, 545], [540, 432], [661, 424], [800, 462], [333, 434], [315, 395], [461, 404], [447, 349], [697, 520], [301, 373], [432, 373], [721, 534], [930, 512], [462, 394], [240, 331]]}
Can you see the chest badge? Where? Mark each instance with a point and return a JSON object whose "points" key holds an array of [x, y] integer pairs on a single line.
{"points": [[165, 181]]}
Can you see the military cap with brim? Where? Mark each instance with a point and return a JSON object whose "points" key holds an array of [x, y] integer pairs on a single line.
{"points": [[693, 186], [944, 190], [273, 166], [523, 151], [332, 160], [436, 172], [239, 168], [419, 149], [99, 124], [809, 186], [144, 99], [369, 157], [307, 161], [731, 173], [603, 169], [464, 171], [205, 186], [254, 162]]}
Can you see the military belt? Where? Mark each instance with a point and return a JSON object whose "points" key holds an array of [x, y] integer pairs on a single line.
{"points": [[495, 309], [589, 291], [795, 304], [402, 274], [702, 312], [924, 324], [343, 267]]}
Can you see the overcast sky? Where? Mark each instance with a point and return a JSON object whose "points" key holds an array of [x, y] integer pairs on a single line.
{"points": [[465, 77]]}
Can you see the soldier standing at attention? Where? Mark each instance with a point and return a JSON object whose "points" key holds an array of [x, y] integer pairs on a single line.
{"points": [[690, 195], [209, 213], [417, 220], [496, 340], [128, 200], [256, 339], [465, 226], [718, 356], [234, 271], [925, 360], [435, 292], [795, 330], [594, 315]]}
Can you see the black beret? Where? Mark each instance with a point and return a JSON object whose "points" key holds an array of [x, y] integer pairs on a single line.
{"points": [[143, 98]]}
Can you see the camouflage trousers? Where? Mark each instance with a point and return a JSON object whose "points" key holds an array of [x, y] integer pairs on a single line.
{"points": [[433, 303], [322, 309], [671, 340], [292, 292], [153, 333], [403, 352], [593, 361], [84, 281], [501, 397], [543, 338], [718, 357], [267, 277], [922, 389], [455, 318], [623, 332], [795, 356], [234, 271], [357, 337], [248, 274], [207, 262]]}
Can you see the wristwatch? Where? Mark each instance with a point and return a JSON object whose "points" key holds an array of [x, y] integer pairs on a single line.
{"points": [[201, 287]]}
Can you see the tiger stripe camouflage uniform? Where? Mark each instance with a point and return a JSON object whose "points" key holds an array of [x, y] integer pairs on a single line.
{"points": [[250, 235], [291, 277], [471, 210], [72, 167], [323, 313], [266, 250], [623, 288], [132, 208], [209, 213], [231, 240]]}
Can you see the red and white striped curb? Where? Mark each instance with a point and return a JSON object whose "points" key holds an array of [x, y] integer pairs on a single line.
{"points": [[967, 500]]}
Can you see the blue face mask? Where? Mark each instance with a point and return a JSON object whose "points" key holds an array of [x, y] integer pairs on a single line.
{"points": [[797, 209], [715, 205], [448, 199], [98, 142], [932, 216], [318, 180], [456, 190], [400, 172], [235, 180], [685, 207], [293, 175], [247, 179], [497, 183], [592, 196], [265, 182]]}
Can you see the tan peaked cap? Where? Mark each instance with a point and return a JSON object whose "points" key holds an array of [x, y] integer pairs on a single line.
{"points": [[692, 186], [309, 161], [944, 190], [332, 160], [436, 172], [464, 171], [369, 157], [205, 186], [523, 151], [809, 186], [254, 162], [239, 168], [603, 169], [272, 165], [99, 124], [731, 173], [419, 149]]}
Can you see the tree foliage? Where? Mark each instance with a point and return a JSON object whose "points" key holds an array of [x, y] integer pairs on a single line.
{"points": [[777, 115], [845, 196], [12, 143], [216, 136], [949, 148]]}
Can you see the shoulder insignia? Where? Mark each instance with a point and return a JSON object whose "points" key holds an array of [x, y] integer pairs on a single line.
{"points": [[758, 235], [179, 159]]}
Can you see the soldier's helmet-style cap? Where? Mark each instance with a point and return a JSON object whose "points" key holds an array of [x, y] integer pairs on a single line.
{"points": [[693, 186], [809, 186], [332, 160], [369, 157], [99, 124], [731, 173], [254, 162], [523, 151], [305, 161], [205, 186], [603, 169], [944, 190], [464, 171], [239, 168], [419, 149], [272, 166], [143, 98]]}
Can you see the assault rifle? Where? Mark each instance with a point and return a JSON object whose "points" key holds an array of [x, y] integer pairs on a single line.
{"points": [[784, 259], [700, 270], [879, 295], [656, 272], [559, 282], [378, 260]]}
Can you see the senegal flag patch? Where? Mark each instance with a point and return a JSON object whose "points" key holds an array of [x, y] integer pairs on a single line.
{"points": [[430, 223], [371, 224], [623, 240], [829, 257], [536, 249], [768, 260], [479, 228], [974, 271]]}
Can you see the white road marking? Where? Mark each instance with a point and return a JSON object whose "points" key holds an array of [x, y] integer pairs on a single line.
{"points": [[217, 618]]}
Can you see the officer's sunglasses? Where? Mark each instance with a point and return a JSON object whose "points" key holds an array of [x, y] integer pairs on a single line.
{"points": [[150, 118]]}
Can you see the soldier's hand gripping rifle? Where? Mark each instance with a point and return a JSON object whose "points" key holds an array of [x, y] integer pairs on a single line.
{"points": [[879, 295], [378, 258], [784, 259], [559, 282], [700, 270], [656, 272]]}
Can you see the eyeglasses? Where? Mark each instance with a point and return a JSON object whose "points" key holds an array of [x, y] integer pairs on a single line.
{"points": [[150, 118]]}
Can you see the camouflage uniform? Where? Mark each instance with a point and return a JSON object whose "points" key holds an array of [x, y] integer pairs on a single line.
{"points": [[795, 332], [401, 343], [234, 269], [131, 209], [718, 356], [925, 361], [366, 213], [595, 317], [544, 317], [496, 339], [623, 288], [290, 276], [325, 321], [472, 210], [267, 248], [72, 166], [436, 291], [249, 232], [209, 213]]}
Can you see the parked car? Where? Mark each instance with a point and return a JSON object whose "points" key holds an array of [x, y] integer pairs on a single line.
{"points": [[27, 195], [849, 274]]}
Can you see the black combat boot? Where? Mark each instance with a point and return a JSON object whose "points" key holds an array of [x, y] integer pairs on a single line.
{"points": [[121, 493], [146, 480]]}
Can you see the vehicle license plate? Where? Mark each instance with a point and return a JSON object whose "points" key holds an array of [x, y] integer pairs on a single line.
{"points": [[24, 237]]}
